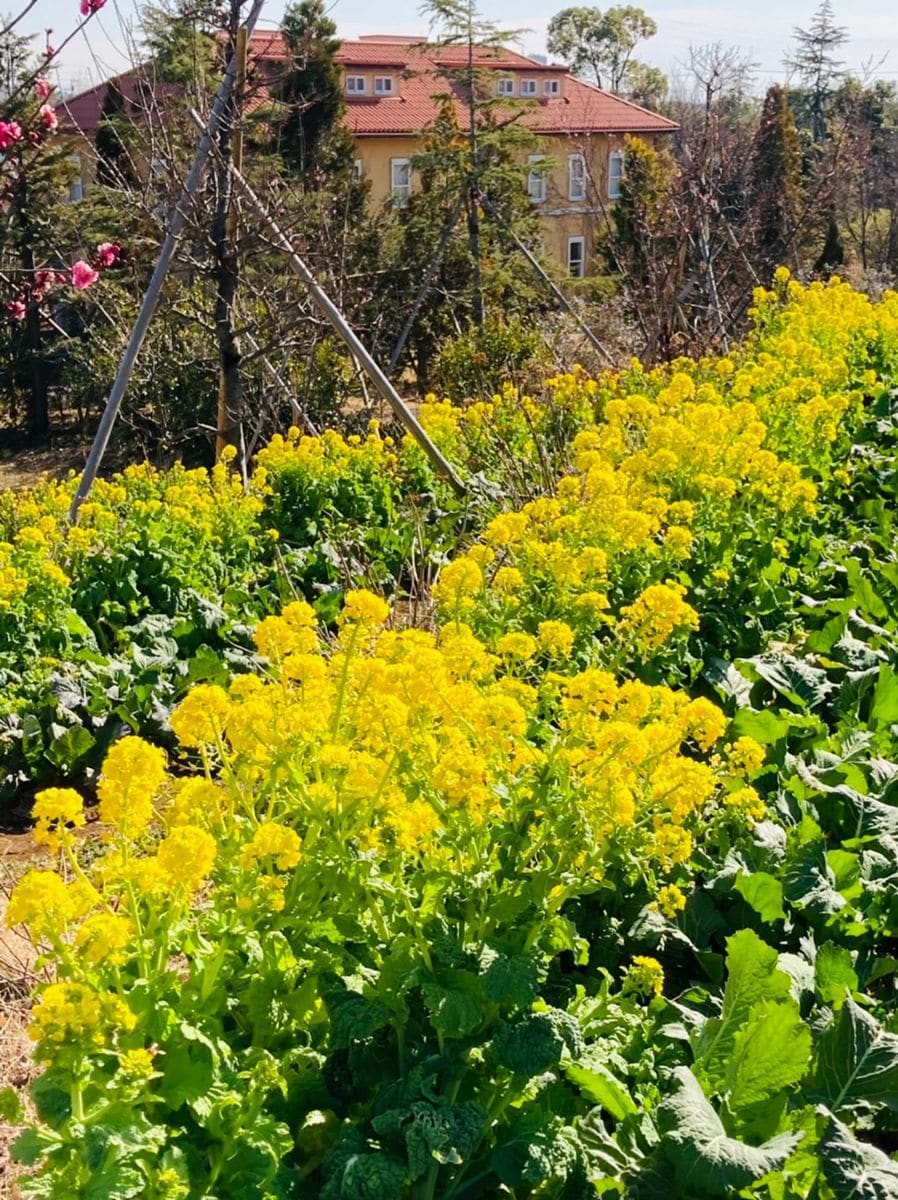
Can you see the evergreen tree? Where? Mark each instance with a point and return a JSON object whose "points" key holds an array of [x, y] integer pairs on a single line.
{"points": [[114, 165], [817, 67], [775, 184], [311, 139]]}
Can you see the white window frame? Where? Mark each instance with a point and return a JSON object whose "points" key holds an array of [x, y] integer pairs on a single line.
{"points": [[576, 265], [356, 85], [383, 85], [552, 87], [358, 171], [576, 177], [615, 174], [536, 180], [528, 87], [401, 192], [505, 87]]}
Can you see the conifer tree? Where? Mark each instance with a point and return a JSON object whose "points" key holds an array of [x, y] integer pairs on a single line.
{"points": [[311, 139], [817, 67], [776, 179], [114, 166]]}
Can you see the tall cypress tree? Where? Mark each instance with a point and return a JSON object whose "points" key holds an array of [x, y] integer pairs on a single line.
{"points": [[311, 139], [776, 178]]}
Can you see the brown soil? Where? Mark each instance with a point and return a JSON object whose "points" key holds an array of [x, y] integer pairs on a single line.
{"points": [[17, 977], [25, 467]]}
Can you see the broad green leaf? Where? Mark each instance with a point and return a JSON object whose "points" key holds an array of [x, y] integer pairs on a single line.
{"points": [[765, 726], [857, 1060], [69, 748], [770, 1053], [728, 681], [764, 893], [793, 678], [884, 711], [834, 974], [598, 1084], [855, 1170], [452, 1011], [706, 1160], [11, 1108], [752, 978]]}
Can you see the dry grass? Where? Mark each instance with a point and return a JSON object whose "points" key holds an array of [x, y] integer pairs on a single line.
{"points": [[17, 978]]}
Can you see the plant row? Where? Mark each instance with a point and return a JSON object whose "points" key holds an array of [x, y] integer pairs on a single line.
{"points": [[590, 890]]}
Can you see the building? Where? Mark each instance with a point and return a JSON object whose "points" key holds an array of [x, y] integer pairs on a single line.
{"points": [[390, 86]]}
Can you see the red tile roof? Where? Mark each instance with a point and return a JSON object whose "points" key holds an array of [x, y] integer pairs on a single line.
{"points": [[422, 71]]}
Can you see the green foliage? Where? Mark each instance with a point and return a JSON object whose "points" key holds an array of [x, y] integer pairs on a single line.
{"points": [[600, 44]]}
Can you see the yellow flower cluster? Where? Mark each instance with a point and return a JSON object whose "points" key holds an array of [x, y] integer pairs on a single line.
{"points": [[132, 775], [67, 1012], [677, 452]]}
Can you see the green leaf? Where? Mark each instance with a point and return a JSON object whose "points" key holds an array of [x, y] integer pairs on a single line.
{"points": [[68, 749], [856, 1170], [452, 1011], [835, 975], [510, 981], [32, 1145], [793, 678], [706, 1160], [769, 1054], [753, 977], [535, 1042], [857, 1060], [597, 1084], [11, 1109], [765, 726], [884, 711], [764, 893]]}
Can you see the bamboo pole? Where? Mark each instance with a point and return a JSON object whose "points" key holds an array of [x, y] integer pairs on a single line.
{"points": [[154, 288], [338, 322], [546, 278], [227, 425]]}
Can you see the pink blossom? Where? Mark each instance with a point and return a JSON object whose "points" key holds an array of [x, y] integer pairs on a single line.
{"points": [[44, 89], [15, 310], [48, 116], [91, 6], [83, 275], [10, 131], [108, 254]]}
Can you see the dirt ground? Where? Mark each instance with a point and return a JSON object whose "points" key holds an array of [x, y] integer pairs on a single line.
{"points": [[24, 467], [17, 977]]}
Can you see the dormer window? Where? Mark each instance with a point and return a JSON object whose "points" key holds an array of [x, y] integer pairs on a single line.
{"points": [[505, 87], [552, 87], [383, 85], [355, 85], [528, 87]]}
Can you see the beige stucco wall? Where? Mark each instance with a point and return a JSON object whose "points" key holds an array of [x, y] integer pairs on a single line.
{"points": [[562, 217]]}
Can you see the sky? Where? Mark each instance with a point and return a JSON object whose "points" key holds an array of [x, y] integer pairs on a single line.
{"points": [[760, 29]]}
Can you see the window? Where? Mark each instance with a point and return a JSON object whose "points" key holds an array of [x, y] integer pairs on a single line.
{"points": [[536, 180], [400, 179], [357, 170], [552, 87], [576, 257], [355, 85], [615, 173], [528, 87], [505, 87], [76, 186], [576, 177], [383, 85]]}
